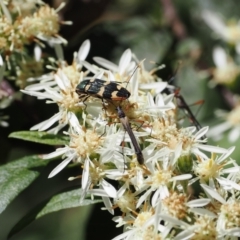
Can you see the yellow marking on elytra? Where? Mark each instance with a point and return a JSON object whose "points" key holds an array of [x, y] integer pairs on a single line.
{"points": [[115, 97], [101, 91], [119, 87], [106, 83], [87, 87]]}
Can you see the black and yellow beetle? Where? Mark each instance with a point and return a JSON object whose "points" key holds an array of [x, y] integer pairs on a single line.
{"points": [[98, 88], [110, 90]]}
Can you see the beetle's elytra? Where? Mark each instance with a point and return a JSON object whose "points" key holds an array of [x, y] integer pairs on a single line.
{"points": [[102, 89]]}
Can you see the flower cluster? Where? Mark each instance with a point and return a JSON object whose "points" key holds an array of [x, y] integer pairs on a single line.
{"points": [[226, 73], [179, 191], [19, 30], [22, 24], [30, 24]]}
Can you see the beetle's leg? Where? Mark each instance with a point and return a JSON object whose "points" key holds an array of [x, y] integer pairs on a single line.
{"points": [[84, 100]]}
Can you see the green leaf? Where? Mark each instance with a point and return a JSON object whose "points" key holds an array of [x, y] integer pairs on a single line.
{"points": [[58, 202], [16, 176], [41, 137], [65, 200]]}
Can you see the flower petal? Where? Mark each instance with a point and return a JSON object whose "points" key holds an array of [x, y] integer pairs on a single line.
{"points": [[105, 63], [219, 57], [84, 50], [125, 61], [85, 174], [213, 193], [110, 190], [198, 202], [60, 167]]}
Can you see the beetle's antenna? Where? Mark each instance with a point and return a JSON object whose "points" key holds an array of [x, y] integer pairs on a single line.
{"points": [[138, 66]]}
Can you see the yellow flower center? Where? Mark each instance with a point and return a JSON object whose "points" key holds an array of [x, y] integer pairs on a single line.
{"points": [[205, 229], [85, 143], [231, 212], [207, 169], [175, 204]]}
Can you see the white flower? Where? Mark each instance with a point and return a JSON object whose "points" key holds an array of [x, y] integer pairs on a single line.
{"points": [[226, 70], [231, 124], [64, 95], [228, 32], [228, 220], [82, 144], [60, 88], [214, 169], [144, 226], [161, 175]]}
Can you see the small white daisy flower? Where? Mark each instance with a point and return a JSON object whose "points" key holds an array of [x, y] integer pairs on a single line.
{"points": [[229, 32], [231, 124]]}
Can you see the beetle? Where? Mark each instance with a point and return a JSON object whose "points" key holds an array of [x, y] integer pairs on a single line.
{"points": [[98, 88], [111, 91]]}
